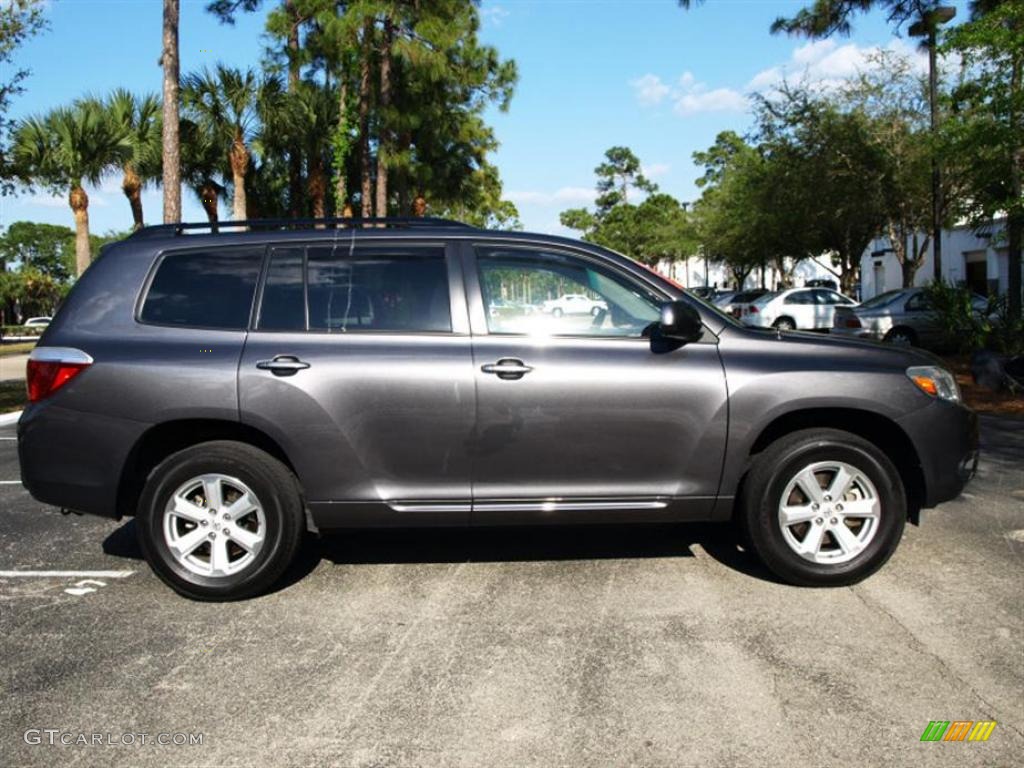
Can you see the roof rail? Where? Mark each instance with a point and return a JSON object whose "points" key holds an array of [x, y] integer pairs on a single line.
{"points": [[233, 227]]}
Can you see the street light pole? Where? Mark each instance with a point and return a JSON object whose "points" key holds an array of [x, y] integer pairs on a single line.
{"points": [[927, 26]]}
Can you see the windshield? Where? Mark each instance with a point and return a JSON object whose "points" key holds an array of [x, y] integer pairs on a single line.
{"points": [[881, 299]]}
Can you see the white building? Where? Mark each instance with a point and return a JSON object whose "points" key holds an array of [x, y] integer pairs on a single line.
{"points": [[695, 272], [973, 257]]}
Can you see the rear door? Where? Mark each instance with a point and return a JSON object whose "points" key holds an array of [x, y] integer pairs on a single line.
{"points": [[578, 418], [360, 366]]}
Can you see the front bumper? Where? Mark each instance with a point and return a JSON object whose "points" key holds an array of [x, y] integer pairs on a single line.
{"points": [[945, 436]]}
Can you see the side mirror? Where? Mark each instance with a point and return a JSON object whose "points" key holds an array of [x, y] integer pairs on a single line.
{"points": [[680, 322]]}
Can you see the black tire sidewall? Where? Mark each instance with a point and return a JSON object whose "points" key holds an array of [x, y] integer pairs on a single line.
{"points": [[766, 532], [278, 511]]}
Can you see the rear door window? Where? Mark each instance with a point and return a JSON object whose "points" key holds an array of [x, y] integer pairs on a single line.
{"points": [[371, 288], [204, 289]]}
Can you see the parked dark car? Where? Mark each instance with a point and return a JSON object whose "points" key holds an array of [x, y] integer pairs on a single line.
{"points": [[232, 390]]}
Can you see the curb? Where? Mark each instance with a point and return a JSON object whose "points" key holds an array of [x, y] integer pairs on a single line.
{"points": [[7, 419]]}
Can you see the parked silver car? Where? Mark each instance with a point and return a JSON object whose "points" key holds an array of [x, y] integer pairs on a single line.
{"points": [[903, 316]]}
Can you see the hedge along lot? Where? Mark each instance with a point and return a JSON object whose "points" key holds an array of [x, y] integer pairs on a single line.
{"points": [[12, 396], [17, 348]]}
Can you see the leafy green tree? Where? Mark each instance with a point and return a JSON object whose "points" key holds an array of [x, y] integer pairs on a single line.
{"points": [[987, 124], [657, 228], [65, 149], [20, 20], [827, 173], [894, 101], [48, 248], [733, 220], [619, 173], [203, 167], [139, 119]]}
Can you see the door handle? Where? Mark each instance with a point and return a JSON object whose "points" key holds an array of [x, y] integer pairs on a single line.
{"points": [[282, 365], [507, 368]]}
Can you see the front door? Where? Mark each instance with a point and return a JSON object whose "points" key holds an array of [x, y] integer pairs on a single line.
{"points": [[360, 367], [577, 417]]}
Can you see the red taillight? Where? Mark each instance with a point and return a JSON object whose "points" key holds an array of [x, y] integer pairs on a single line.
{"points": [[752, 310], [50, 368], [853, 322]]}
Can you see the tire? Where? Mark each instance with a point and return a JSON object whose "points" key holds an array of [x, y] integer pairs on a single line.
{"points": [[831, 557], [901, 336], [253, 550], [784, 324], [556, 312]]}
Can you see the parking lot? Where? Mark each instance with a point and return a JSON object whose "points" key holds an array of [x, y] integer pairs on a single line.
{"points": [[661, 646]]}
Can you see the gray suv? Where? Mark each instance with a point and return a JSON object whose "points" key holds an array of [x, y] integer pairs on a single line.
{"points": [[233, 390]]}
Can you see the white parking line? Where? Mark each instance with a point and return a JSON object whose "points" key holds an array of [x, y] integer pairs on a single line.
{"points": [[8, 438], [10, 482], [66, 574]]}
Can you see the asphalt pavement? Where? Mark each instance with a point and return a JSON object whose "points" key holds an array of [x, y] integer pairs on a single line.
{"points": [[646, 646]]}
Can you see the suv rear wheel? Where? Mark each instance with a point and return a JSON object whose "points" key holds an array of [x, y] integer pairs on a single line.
{"points": [[220, 520], [823, 507]]}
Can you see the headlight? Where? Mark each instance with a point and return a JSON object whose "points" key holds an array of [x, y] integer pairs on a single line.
{"points": [[935, 381]]}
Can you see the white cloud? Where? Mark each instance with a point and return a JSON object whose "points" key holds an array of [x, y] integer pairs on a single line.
{"points": [[654, 170], [61, 201], [494, 15], [688, 96], [649, 90], [826, 64], [561, 195]]}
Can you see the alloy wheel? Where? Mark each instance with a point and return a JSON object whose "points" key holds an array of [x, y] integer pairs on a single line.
{"points": [[829, 512], [214, 525]]}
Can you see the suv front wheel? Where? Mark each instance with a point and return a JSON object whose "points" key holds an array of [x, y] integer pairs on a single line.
{"points": [[823, 507], [220, 520]]}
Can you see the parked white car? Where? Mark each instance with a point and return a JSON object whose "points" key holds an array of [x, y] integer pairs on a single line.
{"points": [[795, 309], [38, 322], [573, 304]]}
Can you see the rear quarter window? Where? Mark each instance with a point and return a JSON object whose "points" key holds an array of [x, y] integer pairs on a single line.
{"points": [[204, 289]]}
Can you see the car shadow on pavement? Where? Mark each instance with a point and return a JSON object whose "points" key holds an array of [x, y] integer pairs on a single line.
{"points": [[491, 545]]}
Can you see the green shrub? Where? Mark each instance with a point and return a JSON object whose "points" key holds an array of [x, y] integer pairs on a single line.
{"points": [[964, 329]]}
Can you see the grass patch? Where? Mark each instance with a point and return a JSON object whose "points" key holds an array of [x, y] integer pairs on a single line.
{"points": [[12, 396], [21, 348]]}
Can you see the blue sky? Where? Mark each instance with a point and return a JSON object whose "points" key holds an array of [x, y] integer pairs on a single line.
{"points": [[593, 74]]}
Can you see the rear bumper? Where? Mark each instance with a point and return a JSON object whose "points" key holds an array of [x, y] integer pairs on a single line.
{"points": [[945, 436], [74, 460]]}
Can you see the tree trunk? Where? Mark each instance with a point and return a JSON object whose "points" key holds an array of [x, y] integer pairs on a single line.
{"points": [[239, 157], [317, 189], [171, 139], [208, 194], [364, 122], [131, 185], [79, 202], [295, 201], [384, 132], [1015, 219]]}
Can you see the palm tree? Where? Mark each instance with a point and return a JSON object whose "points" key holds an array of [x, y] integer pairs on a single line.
{"points": [[139, 118], [171, 161], [202, 162], [227, 103], [306, 123], [65, 149]]}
